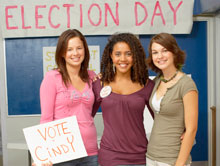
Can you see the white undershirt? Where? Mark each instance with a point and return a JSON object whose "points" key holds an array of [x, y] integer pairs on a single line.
{"points": [[156, 103]]}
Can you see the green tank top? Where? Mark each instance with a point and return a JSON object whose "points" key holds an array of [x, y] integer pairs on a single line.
{"points": [[164, 144]]}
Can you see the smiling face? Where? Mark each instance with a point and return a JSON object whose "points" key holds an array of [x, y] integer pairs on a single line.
{"points": [[162, 58], [75, 53], [122, 57]]}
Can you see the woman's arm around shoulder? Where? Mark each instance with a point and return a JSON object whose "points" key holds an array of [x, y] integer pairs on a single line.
{"points": [[150, 87], [96, 87], [150, 84], [92, 74]]}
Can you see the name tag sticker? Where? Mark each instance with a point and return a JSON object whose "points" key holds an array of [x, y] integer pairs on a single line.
{"points": [[105, 91]]}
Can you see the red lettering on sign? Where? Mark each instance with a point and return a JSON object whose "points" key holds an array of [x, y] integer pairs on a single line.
{"points": [[63, 129], [7, 16], [96, 14], [56, 151], [65, 148], [174, 10], [43, 136], [157, 6], [116, 18], [37, 16], [37, 154], [81, 15], [49, 152], [100, 14], [136, 13], [22, 19], [71, 142], [51, 132], [49, 17], [68, 6]]}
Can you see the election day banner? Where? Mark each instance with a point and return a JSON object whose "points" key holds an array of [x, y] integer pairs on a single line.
{"points": [[21, 18]]}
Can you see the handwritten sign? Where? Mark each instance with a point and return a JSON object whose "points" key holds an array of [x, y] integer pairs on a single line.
{"points": [[22, 18], [56, 141], [49, 59]]}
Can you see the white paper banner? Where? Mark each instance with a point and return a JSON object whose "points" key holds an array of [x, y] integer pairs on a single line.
{"points": [[21, 18], [56, 141]]}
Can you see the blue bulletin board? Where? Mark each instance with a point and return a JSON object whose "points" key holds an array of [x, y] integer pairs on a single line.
{"points": [[25, 72], [24, 65]]}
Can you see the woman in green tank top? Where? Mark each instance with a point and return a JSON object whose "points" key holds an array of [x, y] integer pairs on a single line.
{"points": [[174, 101]]}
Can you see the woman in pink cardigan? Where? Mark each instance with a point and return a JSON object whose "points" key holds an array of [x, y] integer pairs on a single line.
{"points": [[67, 91]]}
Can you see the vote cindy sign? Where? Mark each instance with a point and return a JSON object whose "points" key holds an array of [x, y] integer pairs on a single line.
{"points": [[55, 141]]}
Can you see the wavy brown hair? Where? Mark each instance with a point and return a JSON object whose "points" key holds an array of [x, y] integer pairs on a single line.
{"points": [[139, 71], [169, 42], [61, 50]]}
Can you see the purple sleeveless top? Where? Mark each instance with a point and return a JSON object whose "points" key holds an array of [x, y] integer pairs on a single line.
{"points": [[123, 141]]}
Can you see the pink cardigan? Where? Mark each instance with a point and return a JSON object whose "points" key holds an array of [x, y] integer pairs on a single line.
{"points": [[59, 102]]}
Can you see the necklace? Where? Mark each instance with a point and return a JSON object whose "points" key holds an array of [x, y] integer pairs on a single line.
{"points": [[165, 81]]}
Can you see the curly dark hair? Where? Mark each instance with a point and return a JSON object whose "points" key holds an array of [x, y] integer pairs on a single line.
{"points": [[169, 42], [139, 71], [61, 51]]}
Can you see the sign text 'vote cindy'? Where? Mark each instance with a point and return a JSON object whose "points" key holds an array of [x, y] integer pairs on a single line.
{"points": [[55, 141]]}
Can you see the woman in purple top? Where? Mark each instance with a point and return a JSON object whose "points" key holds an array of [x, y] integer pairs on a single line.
{"points": [[126, 92]]}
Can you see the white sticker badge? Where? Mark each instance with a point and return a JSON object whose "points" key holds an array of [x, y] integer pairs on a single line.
{"points": [[105, 91]]}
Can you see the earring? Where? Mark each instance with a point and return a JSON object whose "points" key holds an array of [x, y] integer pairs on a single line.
{"points": [[113, 68]]}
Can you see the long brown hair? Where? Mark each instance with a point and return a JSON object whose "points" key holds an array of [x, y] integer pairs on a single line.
{"points": [[61, 51], [169, 42], [139, 71]]}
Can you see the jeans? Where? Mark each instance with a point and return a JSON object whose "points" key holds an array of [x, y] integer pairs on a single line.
{"points": [[132, 165], [85, 161], [157, 163]]}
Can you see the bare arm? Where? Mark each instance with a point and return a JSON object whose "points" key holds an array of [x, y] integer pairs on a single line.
{"points": [[190, 101]]}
